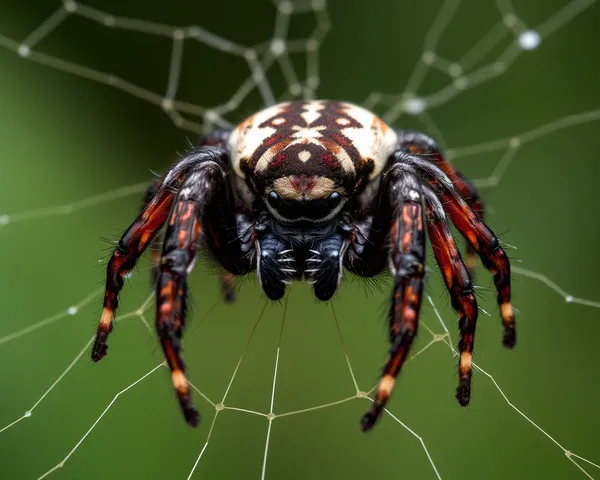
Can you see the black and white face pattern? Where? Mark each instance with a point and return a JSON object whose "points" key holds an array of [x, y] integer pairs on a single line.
{"points": [[306, 159]]}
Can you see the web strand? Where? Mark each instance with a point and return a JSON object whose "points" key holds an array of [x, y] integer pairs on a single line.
{"points": [[258, 58]]}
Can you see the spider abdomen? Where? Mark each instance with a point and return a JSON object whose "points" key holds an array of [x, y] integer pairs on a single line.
{"points": [[333, 142]]}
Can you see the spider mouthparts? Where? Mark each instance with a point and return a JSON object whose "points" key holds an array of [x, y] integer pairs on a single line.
{"points": [[192, 417], [463, 392], [509, 339]]}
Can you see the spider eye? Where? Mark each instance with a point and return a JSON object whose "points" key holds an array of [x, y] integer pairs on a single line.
{"points": [[273, 198], [334, 200]]}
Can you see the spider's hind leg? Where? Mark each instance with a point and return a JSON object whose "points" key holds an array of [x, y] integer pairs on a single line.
{"points": [[458, 283], [420, 143]]}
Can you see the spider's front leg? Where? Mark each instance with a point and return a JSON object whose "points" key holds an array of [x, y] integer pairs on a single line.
{"points": [[202, 197], [216, 138], [402, 191]]}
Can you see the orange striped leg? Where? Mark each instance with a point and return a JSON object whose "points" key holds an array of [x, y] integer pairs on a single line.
{"points": [[477, 233], [155, 245], [179, 254], [139, 235], [458, 283], [407, 259], [131, 245], [419, 143], [486, 244]]}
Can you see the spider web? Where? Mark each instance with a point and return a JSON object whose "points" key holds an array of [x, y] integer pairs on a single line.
{"points": [[508, 37]]}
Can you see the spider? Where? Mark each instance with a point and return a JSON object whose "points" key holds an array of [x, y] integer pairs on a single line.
{"points": [[304, 190]]}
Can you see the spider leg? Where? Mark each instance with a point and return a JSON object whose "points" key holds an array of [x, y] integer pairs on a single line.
{"points": [[407, 264], [177, 260], [214, 138], [155, 243], [138, 236], [131, 245], [458, 282], [419, 143], [477, 233]]}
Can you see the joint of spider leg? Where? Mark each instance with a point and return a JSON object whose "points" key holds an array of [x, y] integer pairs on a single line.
{"points": [[176, 261], [407, 265]]}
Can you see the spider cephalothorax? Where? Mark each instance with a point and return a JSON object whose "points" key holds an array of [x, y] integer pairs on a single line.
{"points": [[304, 190]]}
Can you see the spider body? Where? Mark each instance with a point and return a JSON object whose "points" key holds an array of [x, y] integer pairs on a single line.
{"points": [[306, 190]]}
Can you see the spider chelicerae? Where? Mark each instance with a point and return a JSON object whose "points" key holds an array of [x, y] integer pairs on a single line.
{"points": [[304, 190]]}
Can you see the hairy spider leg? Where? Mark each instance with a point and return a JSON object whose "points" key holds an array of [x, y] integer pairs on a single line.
{"points": [[477, 233], [420, 143], [155, 243], [199, 182], [458, 282], [131, 245], [214, 138], [177, 260], [141, 232], [407, 264]]}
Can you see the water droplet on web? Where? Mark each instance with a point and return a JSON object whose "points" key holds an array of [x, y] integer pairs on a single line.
{"points": [[277, 46], [414, 105], [529, 40], [23, 50]]}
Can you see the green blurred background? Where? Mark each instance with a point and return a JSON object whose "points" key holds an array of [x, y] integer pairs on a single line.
{"points": [[63, 138]]}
